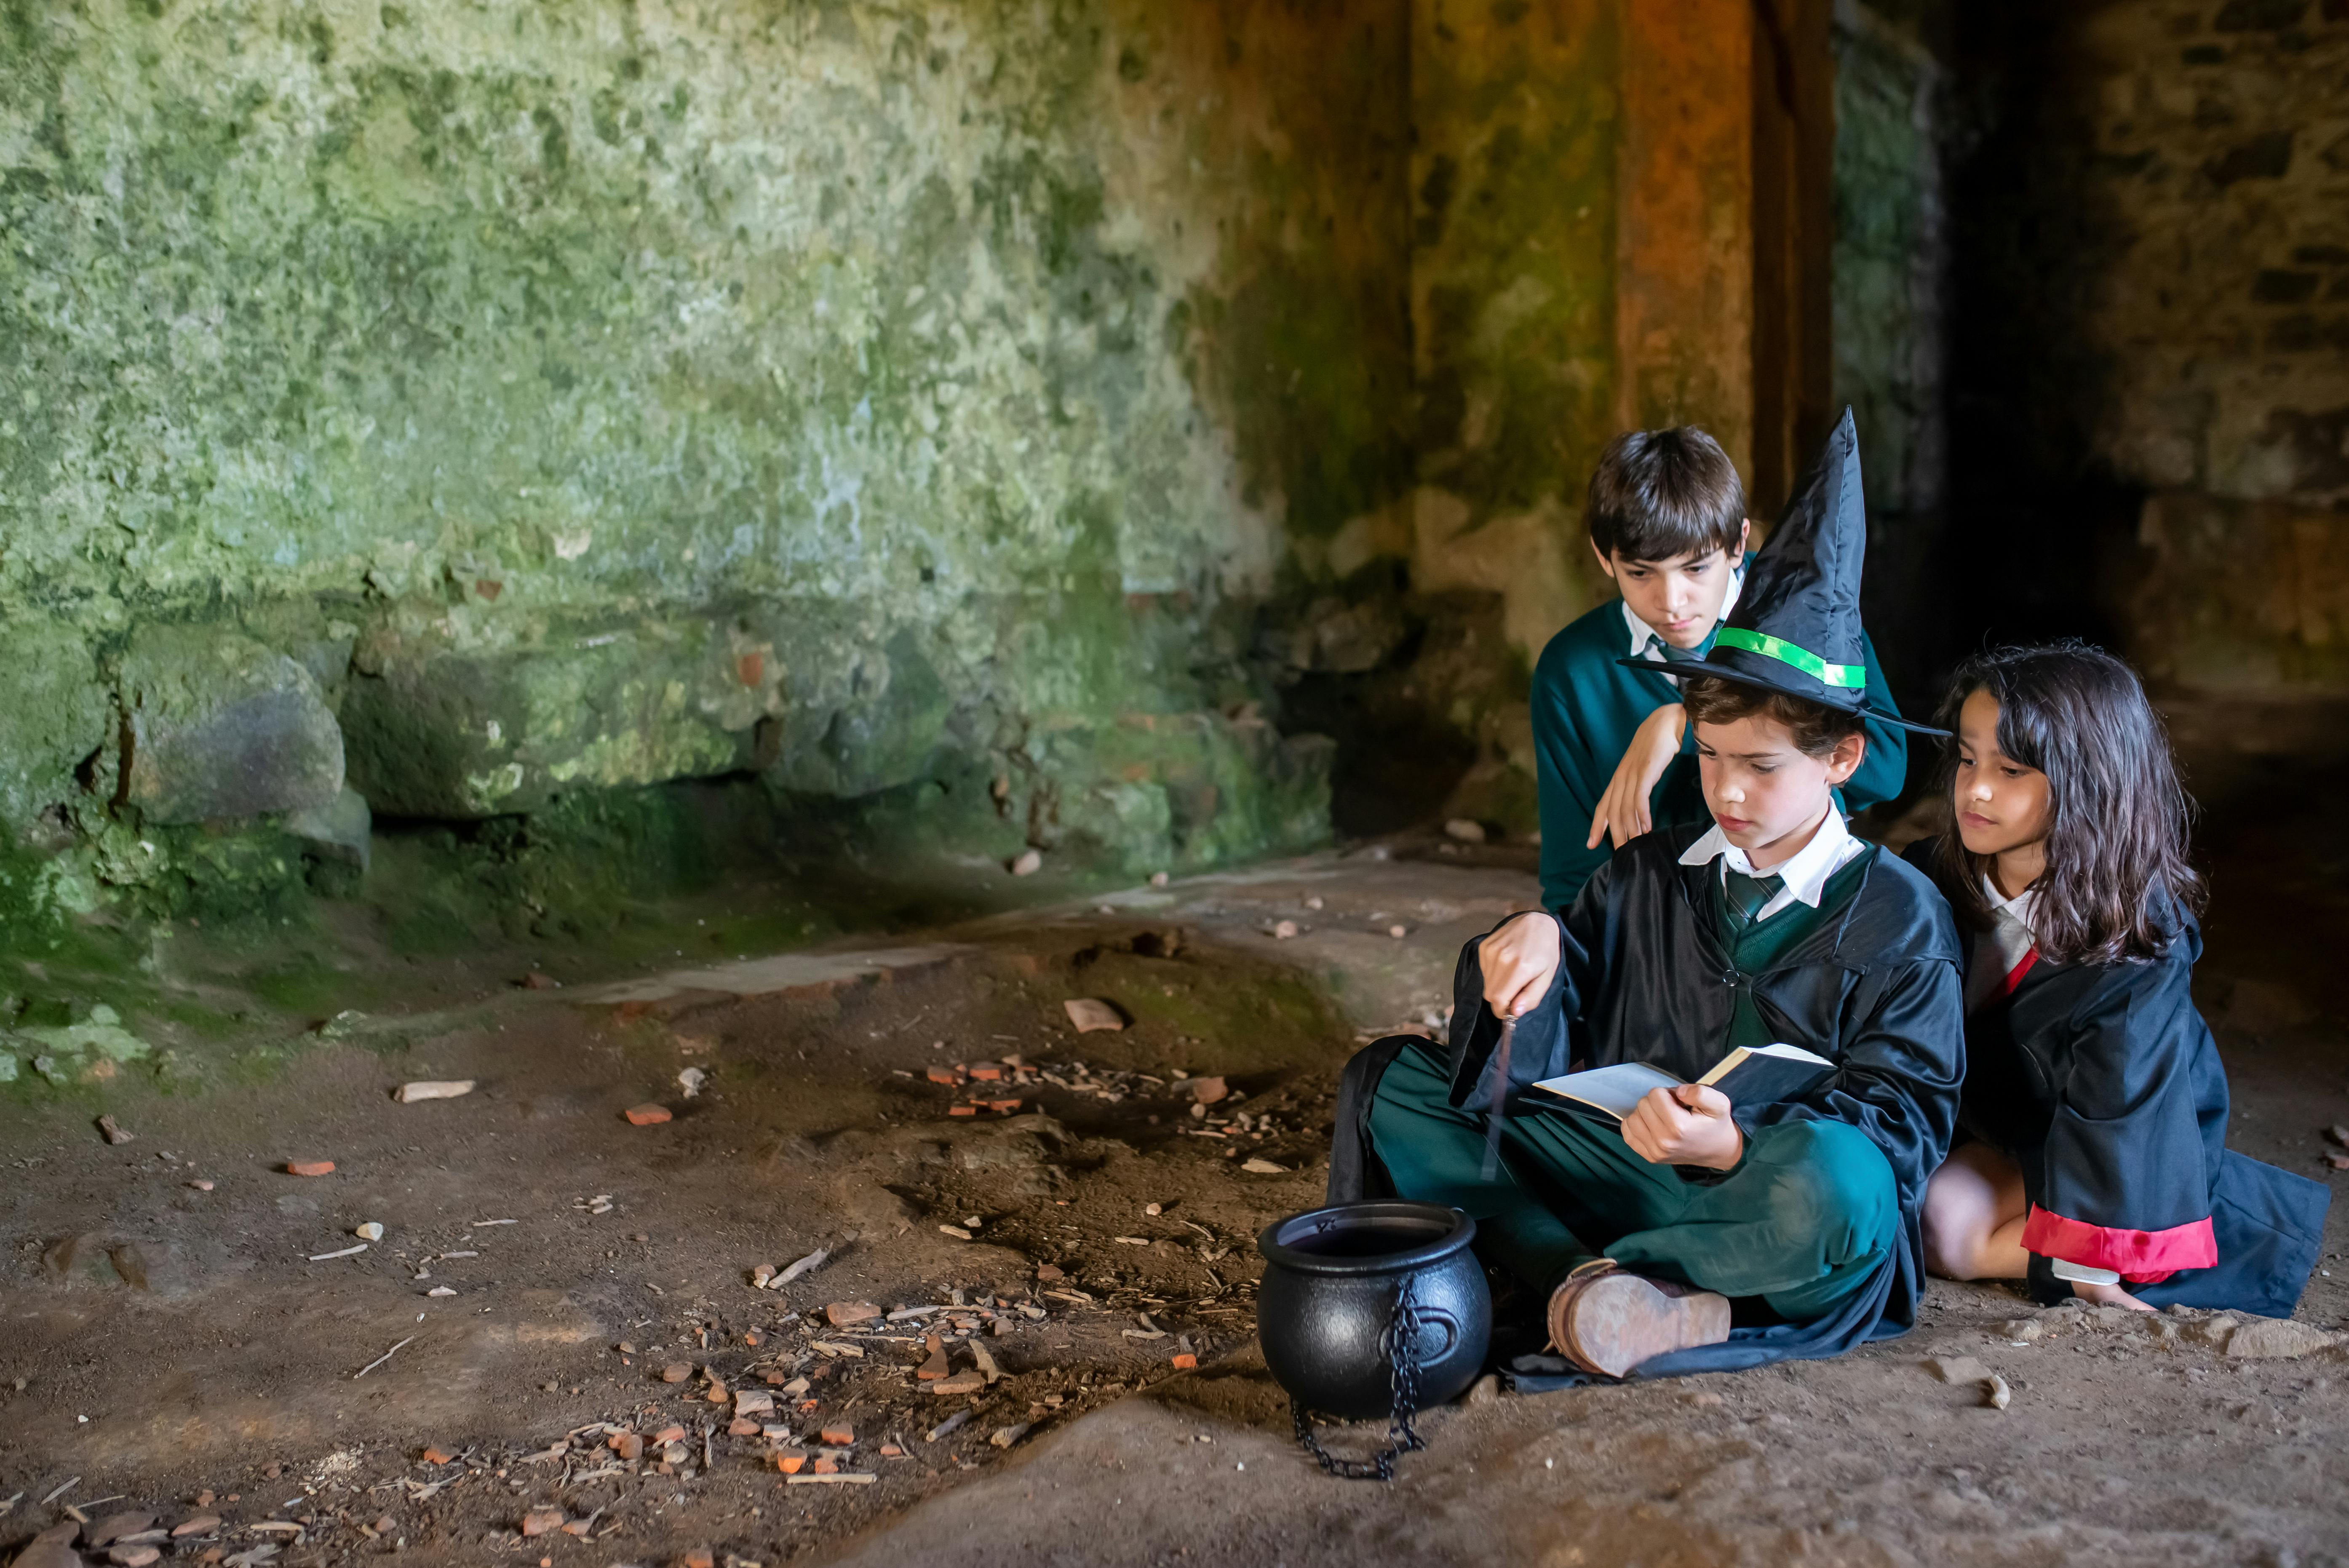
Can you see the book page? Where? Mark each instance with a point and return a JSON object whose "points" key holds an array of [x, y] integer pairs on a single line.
{"points": [[1791, 1053], [1615, 1089]]}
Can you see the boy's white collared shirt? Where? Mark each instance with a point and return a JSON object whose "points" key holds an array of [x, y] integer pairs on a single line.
{"points": [[1806, 872], [1647, 642]]}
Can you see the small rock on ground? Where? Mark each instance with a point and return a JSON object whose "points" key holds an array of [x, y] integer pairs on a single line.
{"points": [[2277, 1338]]}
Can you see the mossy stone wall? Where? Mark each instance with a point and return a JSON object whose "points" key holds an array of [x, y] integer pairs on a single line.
{"points": [[591, 394]]}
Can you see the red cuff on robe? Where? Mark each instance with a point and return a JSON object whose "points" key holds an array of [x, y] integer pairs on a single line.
{"points": [[2142, 1257]]}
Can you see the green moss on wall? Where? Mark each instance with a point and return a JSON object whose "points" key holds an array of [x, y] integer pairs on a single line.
{"points": [[595, 395], [1514, 250]]}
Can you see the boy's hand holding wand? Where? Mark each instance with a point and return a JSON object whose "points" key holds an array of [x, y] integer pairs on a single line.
{"points": [[1687, 1125]]}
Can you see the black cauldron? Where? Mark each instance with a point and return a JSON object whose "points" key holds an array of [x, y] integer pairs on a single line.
{"points": [[1333, 1281]]}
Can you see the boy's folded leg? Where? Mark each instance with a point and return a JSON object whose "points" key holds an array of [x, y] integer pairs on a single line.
{"points": [[1433, 1153], [1801, 1221]]}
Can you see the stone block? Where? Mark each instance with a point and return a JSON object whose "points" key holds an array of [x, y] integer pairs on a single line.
{"points": [[54, 713], [871, 717], [1340, 638], [2241, 595], [342, 830], [1156, 792], [443, 727], [220, 727]]}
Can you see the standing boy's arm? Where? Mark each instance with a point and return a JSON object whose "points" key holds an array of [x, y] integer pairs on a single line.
{"points": [[1626, 805], [1560, 770], [1898, 1078], [1884, 771]]}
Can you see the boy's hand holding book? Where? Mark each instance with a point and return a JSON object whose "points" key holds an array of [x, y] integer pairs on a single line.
{"points": [[1687, 1124]]}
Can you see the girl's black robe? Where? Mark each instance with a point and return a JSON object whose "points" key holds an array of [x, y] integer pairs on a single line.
{"points": [[1874, 989], [2103, 1083]]}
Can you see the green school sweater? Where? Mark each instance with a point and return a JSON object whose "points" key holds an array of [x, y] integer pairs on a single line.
{"points": [[1754, 948], [1586, 708]]}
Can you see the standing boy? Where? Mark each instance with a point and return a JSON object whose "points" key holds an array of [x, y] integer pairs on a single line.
{"points": [[1799, 1216], [1667, 519]]}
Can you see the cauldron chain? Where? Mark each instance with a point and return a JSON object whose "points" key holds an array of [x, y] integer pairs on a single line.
{"points": [[1402, 1343]]}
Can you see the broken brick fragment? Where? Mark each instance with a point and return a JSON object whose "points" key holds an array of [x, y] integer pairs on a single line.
{"points": [[987, 1072], [437, 1456], [1003, 1105], [846, 1313], [942, 1075], [1090, 1013], [539, 1520], [309, 1168], [1185, 1361], [962, 1110], [645, 1115], [789, 1463], [839, 1435]]}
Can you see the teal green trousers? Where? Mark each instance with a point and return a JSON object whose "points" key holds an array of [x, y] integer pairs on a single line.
{"points": [[1801, 1221]]}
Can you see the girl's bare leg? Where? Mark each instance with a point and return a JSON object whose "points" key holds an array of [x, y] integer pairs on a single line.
{"points": [[1974, 1214]]}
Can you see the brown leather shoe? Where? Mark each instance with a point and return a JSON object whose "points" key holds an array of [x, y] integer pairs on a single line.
{"points": [[1606, 1321]]}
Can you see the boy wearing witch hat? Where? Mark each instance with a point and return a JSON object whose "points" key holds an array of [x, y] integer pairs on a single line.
{"points": [[1699, 1234], [1612, 755]]}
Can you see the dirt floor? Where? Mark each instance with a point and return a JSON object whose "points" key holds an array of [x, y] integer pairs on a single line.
{"points": [[567, 1345]]}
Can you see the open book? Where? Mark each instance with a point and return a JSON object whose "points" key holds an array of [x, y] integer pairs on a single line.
{"points": [[1748, 1075]]}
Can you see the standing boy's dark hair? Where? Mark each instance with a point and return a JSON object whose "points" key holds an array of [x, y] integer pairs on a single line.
{"points": [[1658, 494], [2118, 815]]}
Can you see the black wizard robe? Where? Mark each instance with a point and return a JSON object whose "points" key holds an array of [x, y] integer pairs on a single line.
{"points": [[2103, 1083], [1643, 977]]}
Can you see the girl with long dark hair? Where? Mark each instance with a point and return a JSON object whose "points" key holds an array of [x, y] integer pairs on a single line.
{"points": [[2093, 1160]]}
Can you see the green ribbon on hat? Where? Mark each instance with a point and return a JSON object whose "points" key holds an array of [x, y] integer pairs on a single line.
{"points": [[1852, 677]]}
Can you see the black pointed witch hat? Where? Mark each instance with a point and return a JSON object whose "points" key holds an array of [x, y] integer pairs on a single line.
{"points": [[1796, 625]]}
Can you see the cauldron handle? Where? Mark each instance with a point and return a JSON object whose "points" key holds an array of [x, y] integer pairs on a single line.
{"points": [[1403, 1337]]}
